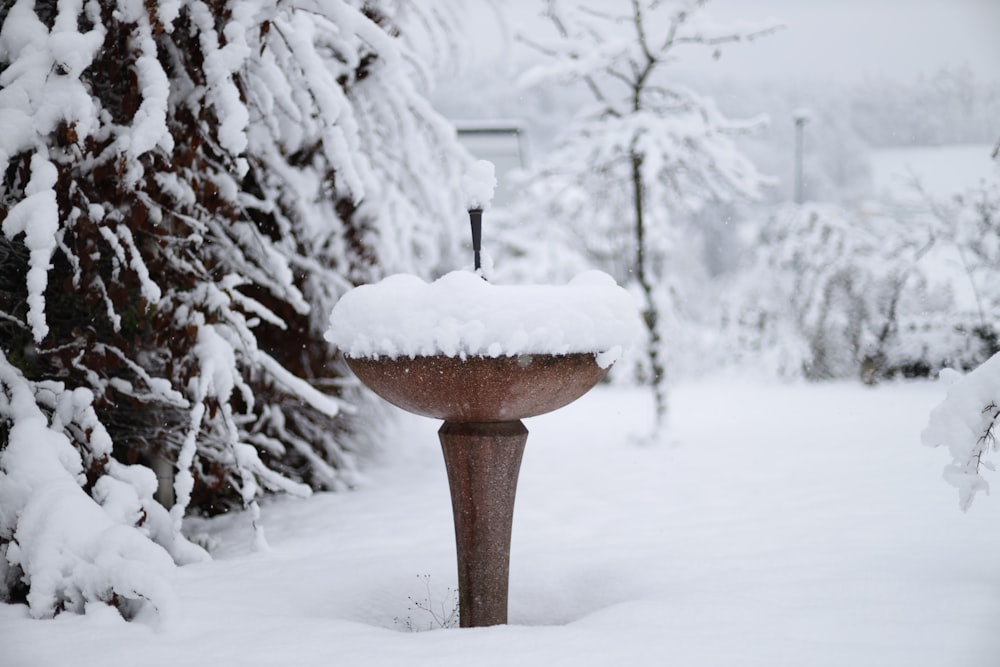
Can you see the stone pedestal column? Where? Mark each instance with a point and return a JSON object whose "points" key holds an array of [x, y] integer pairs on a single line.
{"points": [[483, 460]]}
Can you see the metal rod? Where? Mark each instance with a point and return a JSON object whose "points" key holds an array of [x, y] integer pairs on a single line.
{"points": [[476, 219], [800, 121]]}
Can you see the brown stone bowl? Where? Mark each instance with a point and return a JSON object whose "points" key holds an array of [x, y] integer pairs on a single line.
{"points": [[480, 389]]}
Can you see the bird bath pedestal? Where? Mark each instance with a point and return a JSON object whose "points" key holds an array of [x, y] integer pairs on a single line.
{"points": [[481, 400]]}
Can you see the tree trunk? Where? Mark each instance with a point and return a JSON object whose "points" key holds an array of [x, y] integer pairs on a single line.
{"points": [[651, 313]]}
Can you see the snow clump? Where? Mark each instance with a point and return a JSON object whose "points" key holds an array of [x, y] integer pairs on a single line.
{"points": [[462, 315], [478, 185], [69, 549], [966, 422]]}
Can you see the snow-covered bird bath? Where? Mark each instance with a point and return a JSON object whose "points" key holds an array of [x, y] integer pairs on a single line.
{"points": [[482, 357]]}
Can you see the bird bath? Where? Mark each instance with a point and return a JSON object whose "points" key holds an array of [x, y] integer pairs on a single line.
{"points": [[482, 357], [482, 400]]}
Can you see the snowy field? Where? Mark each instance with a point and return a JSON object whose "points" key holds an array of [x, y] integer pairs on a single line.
{"points": [[781, 525]]}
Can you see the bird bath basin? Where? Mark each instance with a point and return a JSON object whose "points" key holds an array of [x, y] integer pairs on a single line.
{"points": [[480, 389]]}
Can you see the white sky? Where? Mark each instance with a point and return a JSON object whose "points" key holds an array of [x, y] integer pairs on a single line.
{"points": [[845, 40], [852, 39]]}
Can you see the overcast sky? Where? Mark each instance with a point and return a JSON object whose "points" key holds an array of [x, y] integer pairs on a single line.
{"points": [[844, 40], [851, 39]]}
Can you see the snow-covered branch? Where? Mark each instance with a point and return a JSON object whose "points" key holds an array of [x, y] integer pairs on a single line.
{"points": [[966, 423]]}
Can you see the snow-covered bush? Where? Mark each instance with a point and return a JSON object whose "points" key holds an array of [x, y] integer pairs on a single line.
{"points": [[186, 188], [58, 546], [969, 222], [837, 292]]}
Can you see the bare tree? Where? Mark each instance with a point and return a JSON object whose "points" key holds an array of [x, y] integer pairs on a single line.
{"points": [[647, 151]]}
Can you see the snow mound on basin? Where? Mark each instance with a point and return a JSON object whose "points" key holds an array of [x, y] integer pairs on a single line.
{"points": [[462, 315]]}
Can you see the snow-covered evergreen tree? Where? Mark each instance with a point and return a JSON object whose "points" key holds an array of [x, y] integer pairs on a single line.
{"points": [[187, 188], [642, 155]]}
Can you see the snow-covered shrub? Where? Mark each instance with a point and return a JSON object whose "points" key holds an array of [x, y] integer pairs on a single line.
{"points": [[59, 546], [186, 188], [969, 222], [871, 291], [840, 292]]}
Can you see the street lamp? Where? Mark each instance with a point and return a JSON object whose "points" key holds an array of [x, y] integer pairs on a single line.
{"points": [[801, 117]]}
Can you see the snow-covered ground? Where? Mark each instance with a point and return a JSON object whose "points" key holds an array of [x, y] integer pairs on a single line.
{"points": [[780, 525]]}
